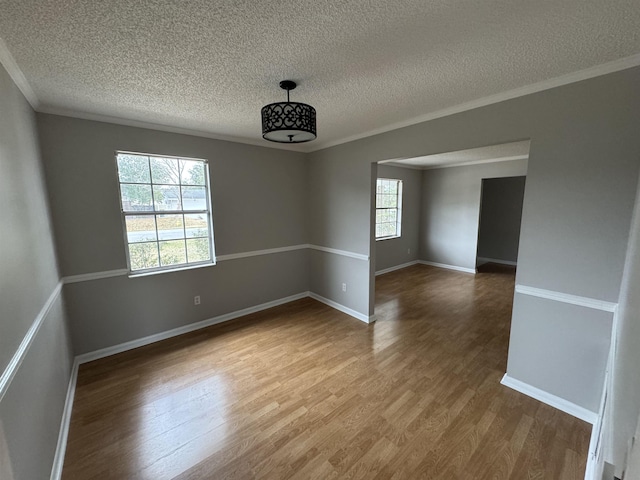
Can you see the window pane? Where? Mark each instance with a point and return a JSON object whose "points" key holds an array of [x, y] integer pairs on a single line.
{"points": [[196, 225], [140, 228], [194, 198], [166, 197], [379, 186], [198, 249], [157, 184], [136, 197], [393, 187], [378, 230], [389, 229], [192, 172], [165, 170], [143, 255], [170, 227], [172, 253], [133, 168], [392, 216]]}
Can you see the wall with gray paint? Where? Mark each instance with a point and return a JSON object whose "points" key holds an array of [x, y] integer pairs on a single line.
{"points": [[258, 194], [259, 199], [451, 210], [500, 218], [625, 396], [395, 251], [111, 311], [31, 409], [350, 271], [548, 334], [581, 182], [341, 196]]}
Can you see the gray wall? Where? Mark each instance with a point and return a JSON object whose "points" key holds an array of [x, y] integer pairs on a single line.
{"points": [[340, 208], [451, 210], [258, 194], [500, 218], [581, 182], [31, 410], [547, 335], [394, 251], [110, 311], [259, 199], [625, 401]]}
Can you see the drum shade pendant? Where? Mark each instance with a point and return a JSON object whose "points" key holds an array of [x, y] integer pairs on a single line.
{"points": [[288, 122]]}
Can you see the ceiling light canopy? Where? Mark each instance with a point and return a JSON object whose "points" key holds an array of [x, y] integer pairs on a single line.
{"points": [[288, 122]]}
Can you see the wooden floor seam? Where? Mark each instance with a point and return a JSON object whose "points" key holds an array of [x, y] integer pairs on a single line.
{"points": [[304, 391]]}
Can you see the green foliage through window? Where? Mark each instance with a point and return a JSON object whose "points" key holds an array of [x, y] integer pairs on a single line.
{"points": [[166, 212]]}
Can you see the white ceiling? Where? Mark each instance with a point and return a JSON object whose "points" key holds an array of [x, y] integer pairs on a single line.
{"points": [[472, 156], [209, 66]]}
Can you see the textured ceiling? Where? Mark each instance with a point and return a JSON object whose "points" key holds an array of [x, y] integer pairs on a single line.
{"points": [[493, 153], [364, 65]]}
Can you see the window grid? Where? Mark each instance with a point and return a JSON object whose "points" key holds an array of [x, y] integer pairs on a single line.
{"points": [[196, 246], [388, 208]]}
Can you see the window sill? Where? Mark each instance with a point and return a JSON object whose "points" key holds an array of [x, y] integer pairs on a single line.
{"points": [[387, 238], [170, 270]]}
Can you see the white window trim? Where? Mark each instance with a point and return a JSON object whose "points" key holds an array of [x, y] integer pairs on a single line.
{"points": [[208, 212], [398, 210]]}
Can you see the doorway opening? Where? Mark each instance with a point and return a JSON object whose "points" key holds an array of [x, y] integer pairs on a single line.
{"points": [[440, 221], [501, 202]]}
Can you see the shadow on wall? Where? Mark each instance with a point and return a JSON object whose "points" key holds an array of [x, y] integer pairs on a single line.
{"points": [[500, 218]]}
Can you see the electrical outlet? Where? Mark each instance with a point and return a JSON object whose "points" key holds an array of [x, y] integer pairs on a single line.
{"points": [[344, 287], [196, 300]]}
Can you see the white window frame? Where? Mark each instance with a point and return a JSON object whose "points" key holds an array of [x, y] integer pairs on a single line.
{"points": [[398, 209], [208, 212]]}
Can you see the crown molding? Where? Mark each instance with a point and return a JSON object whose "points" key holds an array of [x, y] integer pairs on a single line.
{"points": [[587, 73], [96, 117], [12, 68], [16, 74]]}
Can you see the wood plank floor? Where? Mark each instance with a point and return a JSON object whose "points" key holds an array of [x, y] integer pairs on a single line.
{"points": [[303, 391]]}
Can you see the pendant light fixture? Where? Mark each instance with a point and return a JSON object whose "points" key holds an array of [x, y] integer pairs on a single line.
{"points": [[288, 122]]}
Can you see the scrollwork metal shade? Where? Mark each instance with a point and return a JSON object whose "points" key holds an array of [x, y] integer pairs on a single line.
{"points": [[288, 122]]}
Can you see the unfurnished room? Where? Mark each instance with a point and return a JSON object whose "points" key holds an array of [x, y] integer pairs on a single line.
{"points": [[319, 240]]}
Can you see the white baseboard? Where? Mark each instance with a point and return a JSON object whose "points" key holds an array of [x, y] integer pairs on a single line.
{"points": [[448, 267], [58, 462], [397, 267], [123, 347], [360, 316], [140, 342], [550, 399], [63, 435], [483, 260]]}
